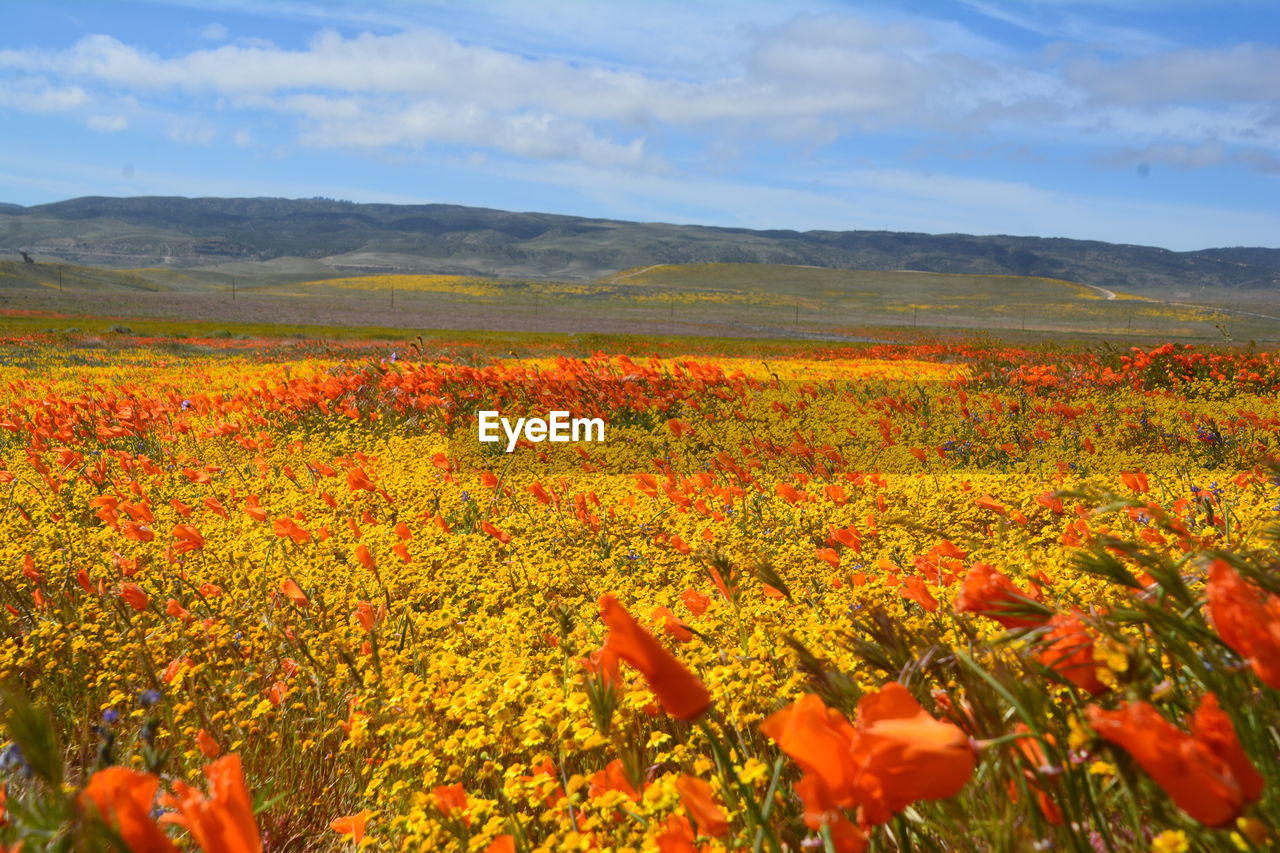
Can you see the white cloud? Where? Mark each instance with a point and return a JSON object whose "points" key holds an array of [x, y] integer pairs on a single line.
{"points": [[242, 138], [214, 32], [1244, 72], [36, 95], [1182, 156], [107, 124], [186, 131], [806, 80]]}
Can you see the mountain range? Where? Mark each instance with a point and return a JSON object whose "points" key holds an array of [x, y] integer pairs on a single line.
{"points": [[445, 238]]}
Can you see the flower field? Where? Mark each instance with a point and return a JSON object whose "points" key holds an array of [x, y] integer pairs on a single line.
{"points": [[922, 597]]}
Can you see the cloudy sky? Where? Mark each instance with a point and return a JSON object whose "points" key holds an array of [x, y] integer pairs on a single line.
{"points": [[1132, 121]]}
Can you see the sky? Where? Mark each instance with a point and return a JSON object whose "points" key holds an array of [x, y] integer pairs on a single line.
{"points": [[1129, 121]]}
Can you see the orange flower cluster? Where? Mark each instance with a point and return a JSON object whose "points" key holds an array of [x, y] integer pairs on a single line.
{"points": [[892, 755], [1206, 772], [1247, 619], [219, 822]]}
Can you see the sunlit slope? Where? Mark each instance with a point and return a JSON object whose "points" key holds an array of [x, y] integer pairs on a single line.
{"points": [[72, 278], [851, 297], [891, 287]]}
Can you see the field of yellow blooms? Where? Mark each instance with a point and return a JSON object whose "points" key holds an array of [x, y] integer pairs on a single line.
{"points": [[923, 597]]}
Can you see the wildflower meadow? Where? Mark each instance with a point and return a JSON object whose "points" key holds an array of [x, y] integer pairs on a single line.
{"points": [[271, 596]]}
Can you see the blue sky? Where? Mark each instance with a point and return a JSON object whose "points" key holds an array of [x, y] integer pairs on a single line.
{"points": [[1155, 123]]}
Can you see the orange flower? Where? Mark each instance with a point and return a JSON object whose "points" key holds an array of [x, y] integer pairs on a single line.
{"points": [[829, 556], [989, 592], [357, 479], [451, 799], [897, 754], [612, 778], [189, 539], [988, 502], [913, 588], [133, 596], [696, 795], [1198, 781], [697, 602], [276, 693], [365, 615], [1135, 480], [680, 692], [602, 662], [287, 528], [1069, 652], [674, 627], [821, 741], [222, 821], [365, 558], [676, 836], [352, 825], [294, 593], [505, 843], [1247, 619], [1212, 728], [253, 508], [909, 755], [124, 798], [208, 746], [1033, 754]]}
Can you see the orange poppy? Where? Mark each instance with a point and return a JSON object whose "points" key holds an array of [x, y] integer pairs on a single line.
{"points": [[697, 602], [612, 778], [821, 741], [505, 843], [357, 480], [221, 821], [1248, 620], [1213, 728], [496, 532], [294, 593], [674, 627], [1068, 651], [989, 592], [352, 825], [208, 746], [287, 528], [1197, 780], [124, 798], [895, 755], [189, 539], [680, 692], [175, 609], [914, 589], [676, 836], [365, 615], [1033, 754], [603, 663], [698, 801], [133, 596], [908, 754], [452, 799]]}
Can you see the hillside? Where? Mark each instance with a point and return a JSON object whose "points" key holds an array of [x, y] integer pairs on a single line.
{"points": [[349, 238]]}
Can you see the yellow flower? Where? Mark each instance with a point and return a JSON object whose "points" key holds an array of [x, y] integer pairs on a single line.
{"points": [[1170, 841]]}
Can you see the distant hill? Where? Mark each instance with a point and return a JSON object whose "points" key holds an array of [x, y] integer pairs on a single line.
{"points": [[442, 238]]}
